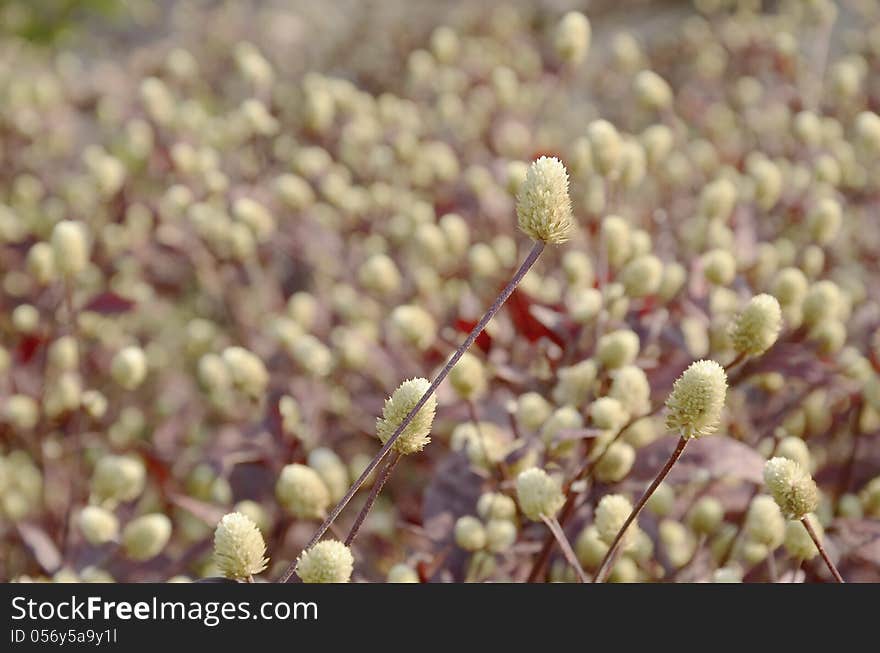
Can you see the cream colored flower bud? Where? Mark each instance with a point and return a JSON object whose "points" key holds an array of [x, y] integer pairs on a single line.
{"points": [[494, 505], [616, 463], [468, 377], [21, 411], [416, 435], [652, 90], [500, 535], [294, 191], [329, 561], [41, 262], [538, 494], [608, 414], [247, 371], [617, 348], [589, 548], [791, 487], [642, 276], [63, 354], [662, 501], [583, 304], [822, 302], [790, 286], [414, 325], [756, 328], [301, 491], [706, 515], [145, 537], [380, 275], [532, 410], [402, 573], [575, 383], [118, 478], [25, 319], [868, 131], [98, 525], [658, 141], [312, 355], [629, 386], [543, 206], [605, 143], [70, 247], [256, 513], [795, 449], [572, 38], [768, 183], [469, 533], [610, 515], [331, 469], [764, 523], [616, 237], [718, 199], [719, 267], [239, 548], [824, 220], [674, 277], [129, 367], [697, 400]]}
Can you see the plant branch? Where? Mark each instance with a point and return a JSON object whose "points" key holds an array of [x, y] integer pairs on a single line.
{"points": [[472, 336], [822, 552]]}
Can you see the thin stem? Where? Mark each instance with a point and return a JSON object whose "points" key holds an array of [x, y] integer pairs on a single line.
{"points": [[472, 336], [564, 544], [374, 494], [676, 454], [822, 552]]}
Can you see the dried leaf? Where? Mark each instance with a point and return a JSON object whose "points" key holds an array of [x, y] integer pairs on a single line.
{"points": [[857, 538], [109, 303]]}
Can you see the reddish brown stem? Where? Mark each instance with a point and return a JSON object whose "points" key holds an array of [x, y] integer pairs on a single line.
{"points": [[822, 552], [676, 454]]}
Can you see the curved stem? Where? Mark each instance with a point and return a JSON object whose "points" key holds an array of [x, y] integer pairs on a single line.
{"points": [[822, 552], [472, 336], [676, 454]]}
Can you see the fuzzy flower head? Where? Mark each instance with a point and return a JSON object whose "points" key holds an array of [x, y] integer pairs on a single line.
{"points": [[415, 436], [543, 206], [755, 329], [611, 513], [239, 549], [572, 38], [538, 494], [793, 489], [145, 537], [301, 490], [697, 399], [329, 561]]}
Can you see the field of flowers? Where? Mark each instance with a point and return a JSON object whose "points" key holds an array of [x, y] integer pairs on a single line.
{"points": [[247, 251]]}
